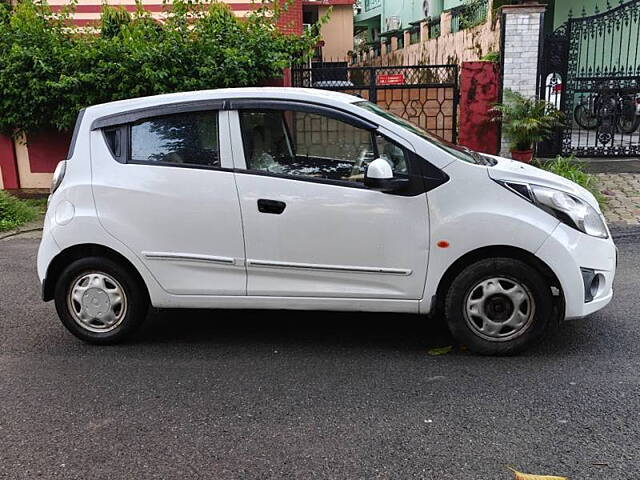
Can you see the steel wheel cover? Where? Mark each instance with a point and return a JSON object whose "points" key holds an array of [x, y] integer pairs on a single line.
{"points": [[97, 302], [499, 309]]}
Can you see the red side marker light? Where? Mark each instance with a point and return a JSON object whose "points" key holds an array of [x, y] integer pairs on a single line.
{"points": [[442, 244]]}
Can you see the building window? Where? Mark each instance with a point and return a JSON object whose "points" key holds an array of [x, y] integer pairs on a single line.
{"points": [[371, 4], [434, 27], [400, 41], [414, 35]]}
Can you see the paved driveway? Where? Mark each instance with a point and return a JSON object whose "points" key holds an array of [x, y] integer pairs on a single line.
{"points": [[245, 394]]}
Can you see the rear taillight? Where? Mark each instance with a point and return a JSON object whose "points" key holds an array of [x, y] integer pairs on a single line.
{"points": [[58, 175]]}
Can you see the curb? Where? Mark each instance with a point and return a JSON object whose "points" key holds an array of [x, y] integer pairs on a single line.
{"points": [[13, 233], [29, 227]]}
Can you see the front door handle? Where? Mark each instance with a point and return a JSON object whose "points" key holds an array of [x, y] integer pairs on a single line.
{"points": [[271, 206]]}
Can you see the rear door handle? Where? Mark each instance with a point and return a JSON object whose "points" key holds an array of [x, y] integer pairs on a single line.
{"points": [[271, 206]]}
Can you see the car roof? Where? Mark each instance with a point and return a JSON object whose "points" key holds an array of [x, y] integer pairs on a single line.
{"points": [[327, 97]]}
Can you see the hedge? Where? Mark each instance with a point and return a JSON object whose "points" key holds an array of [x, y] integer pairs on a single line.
{"points": [[50, 69]]}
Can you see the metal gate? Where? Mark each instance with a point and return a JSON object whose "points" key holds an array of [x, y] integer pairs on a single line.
{"points": [[591, 71], [426, 95]]}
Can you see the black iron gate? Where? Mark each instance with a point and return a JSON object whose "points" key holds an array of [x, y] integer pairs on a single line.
{"points": [[426, 95], [591, 71]]}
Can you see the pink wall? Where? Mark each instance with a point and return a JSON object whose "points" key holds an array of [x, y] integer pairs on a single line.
{"points": [[479, 88]]}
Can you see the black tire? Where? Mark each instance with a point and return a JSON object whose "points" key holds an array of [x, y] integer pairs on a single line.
{"points": [[584, 118], [465, 327], [628, 125], [135, 311]]}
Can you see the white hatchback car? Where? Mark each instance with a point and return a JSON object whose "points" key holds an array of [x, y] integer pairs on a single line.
{"points": [[283, 198]]}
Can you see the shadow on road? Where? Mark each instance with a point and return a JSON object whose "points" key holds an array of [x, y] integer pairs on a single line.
{"points": [[294, 328], [334, 330]]}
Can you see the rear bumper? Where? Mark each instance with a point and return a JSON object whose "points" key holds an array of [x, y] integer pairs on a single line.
{"points": [[46, 253], [566, 251]]}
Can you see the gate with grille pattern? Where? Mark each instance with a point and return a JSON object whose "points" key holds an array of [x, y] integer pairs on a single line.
{"points": [[591, 72], [426, 95]]}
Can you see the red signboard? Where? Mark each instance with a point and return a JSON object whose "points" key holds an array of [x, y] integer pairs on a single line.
{"points": [[390, 79]]}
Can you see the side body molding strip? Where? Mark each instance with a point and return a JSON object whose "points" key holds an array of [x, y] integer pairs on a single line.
{"points": [[190, 257], [329, 268]]}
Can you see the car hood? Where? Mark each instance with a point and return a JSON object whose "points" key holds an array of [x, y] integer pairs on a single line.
{"points": [[506, 169]]}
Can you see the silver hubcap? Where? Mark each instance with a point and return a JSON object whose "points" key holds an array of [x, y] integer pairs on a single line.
{"points": [[97, 302], [499, 309]]}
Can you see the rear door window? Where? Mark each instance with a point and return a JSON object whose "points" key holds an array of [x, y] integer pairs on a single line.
{"points": [[189, 139]]}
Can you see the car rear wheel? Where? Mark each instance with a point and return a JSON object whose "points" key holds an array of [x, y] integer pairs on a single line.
{"points": [[99, 301], [498, 306]]}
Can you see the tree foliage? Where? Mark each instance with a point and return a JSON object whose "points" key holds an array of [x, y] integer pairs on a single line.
{"points": [[50, 69]]}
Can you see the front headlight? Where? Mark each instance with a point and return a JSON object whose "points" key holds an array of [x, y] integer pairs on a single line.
{"points": [[567, 208]]}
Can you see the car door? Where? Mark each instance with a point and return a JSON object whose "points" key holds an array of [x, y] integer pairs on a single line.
{"points": [[163, 185], [312, 229]]}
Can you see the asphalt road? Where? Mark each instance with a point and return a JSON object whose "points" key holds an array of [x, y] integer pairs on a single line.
{"points": [[248, 395]]}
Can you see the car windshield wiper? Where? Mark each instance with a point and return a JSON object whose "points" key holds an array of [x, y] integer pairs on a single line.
{"points": [[477, 158]]}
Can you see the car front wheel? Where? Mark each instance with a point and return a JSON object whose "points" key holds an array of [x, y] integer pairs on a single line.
{"points": [[99, 301], [498, 306]]}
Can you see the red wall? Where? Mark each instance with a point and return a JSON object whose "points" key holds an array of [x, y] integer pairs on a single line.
{"points": [[8, 163], [291, 20], [284, 81], [46, 149], [479, 83]]}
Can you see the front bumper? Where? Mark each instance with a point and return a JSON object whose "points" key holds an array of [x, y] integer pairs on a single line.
{"points": [[566, 251]]}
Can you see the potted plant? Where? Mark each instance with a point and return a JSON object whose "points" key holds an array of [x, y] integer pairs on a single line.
{"points": [[525, 122]]}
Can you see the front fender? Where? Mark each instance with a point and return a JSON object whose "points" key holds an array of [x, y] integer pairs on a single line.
{"points": [[471, 212]]}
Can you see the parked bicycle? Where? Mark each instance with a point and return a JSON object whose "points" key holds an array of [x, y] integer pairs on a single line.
{"points": [[589, 114]]}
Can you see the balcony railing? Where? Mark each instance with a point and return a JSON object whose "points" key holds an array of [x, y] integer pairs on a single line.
{"points": [[469, 15]]}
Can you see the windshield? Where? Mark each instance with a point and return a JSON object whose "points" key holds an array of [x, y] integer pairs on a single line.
{"points": [[461, 153]]}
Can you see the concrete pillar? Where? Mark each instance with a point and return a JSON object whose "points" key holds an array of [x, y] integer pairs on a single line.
{"points": [[521, 47], [445, 23], [424, 32]]}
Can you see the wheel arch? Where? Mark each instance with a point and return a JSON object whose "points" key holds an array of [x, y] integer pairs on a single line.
{"points": [[503, 251], [75, 252]]}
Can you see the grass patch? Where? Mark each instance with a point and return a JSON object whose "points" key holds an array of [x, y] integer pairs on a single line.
{"points": [[572, 169], [15, 212], [39, 203]]}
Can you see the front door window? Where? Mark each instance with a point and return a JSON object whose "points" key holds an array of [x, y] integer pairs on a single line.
{"points": [[305, 144]]}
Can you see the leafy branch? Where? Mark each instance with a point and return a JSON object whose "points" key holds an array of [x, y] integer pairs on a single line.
{"points": [[50, 68]]}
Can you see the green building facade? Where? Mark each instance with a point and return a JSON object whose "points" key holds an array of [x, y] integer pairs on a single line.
{"points": [[376, 17]]}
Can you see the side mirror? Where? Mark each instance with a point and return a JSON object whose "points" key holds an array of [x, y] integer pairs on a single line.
{"points": [[379, 176]]}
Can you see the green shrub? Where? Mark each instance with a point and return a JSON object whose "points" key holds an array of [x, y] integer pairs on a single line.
{"points": [[572, 169], [526, 120], [491, 57], [14, 212], [50, 69]]}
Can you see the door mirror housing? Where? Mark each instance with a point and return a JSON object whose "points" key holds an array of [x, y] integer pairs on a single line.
{"points": [[379, 176]]}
